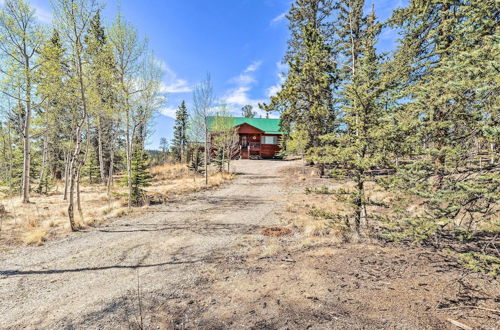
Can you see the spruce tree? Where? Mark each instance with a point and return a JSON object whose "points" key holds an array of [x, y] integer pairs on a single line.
{"points": [[102, 91], [359, 146], [305, 100], [247, 111], [179, 142], [446, 65], [140, 176], [55, 119]]}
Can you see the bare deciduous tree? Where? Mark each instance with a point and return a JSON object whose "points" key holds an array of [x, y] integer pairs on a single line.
{"points": [[203, 101]]}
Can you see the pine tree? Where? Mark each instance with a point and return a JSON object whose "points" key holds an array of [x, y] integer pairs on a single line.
{"points": [[197, 160], [247, 111], [446, 63], [55, 119], [179, 142], [102, 91], [360, 145], [140, 176], [305, 100]]}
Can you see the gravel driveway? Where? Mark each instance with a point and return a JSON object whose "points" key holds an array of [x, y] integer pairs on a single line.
{"points": [[91, 279]]}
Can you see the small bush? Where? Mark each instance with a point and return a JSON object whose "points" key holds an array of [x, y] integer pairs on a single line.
{"points": [[320, 190], [321, 214], [482, 263]]}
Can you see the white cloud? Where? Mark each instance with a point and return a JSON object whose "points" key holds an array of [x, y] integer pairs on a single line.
{"points": [[278, 18], [243, 79], [281, 69], [273, 90], [177, 86], [169, 112], [171, 82], [43, 15], [238, 95], [253, 67]]}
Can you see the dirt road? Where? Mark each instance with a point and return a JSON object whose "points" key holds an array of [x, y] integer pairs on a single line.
{"points": [[91, 278], [202, 263]]}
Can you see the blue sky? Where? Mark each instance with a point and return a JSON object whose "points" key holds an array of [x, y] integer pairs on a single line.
{"points": [[239, 42]]}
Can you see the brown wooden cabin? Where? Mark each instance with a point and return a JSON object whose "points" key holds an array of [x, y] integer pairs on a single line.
{"points": [[259, 138]]}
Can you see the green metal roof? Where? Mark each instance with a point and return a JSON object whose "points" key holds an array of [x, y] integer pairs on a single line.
{"points": [[268, 125]]}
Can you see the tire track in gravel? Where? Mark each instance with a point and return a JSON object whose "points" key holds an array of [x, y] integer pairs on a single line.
{"points": [[88, 278]]}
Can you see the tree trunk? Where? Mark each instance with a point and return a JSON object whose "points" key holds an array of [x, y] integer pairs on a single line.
{"points": [[111, 167], [75, 161], [100, 156], [73, 168], [129, 158], [66, 175], [206, 155], [11, 160], [79, 170], [78, 199], [358, 203], [492, 149], [44, 161], [26, 136]]}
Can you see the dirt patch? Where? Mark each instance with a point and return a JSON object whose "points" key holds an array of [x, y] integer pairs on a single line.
{"points": [[353, 286], [276, 231]]}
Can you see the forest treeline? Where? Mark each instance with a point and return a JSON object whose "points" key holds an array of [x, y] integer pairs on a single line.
{"points": [[76, 98], [425, 113]]}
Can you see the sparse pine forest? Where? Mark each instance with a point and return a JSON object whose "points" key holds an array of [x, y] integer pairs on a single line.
{"points": [[420, 123]]}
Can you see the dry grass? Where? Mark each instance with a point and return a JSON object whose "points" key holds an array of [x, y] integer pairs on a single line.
{"points": [[177, 179], [271, 249], [46, 215], [317, 215], [34, 236]]}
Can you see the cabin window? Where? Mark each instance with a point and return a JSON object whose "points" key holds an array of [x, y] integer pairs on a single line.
{"points": [[269, 140]]}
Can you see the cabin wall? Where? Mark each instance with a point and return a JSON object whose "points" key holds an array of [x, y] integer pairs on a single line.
{"points": [[270, 150]]}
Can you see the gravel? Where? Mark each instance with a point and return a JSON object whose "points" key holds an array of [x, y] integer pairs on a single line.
{"points": [[89, 279]]}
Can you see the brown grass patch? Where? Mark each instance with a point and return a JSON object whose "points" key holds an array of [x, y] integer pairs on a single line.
{"points": [[34, 236], [276, 231], [47, 214]]}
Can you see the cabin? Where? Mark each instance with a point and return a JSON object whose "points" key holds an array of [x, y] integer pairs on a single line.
{"points": [[259, 138]]}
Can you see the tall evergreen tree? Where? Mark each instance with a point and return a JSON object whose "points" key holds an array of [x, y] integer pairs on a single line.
{"points": [[102, 91], [360, 145], [55, 120], [247, 111], [305, 100], [180, 141], [446, 65]]}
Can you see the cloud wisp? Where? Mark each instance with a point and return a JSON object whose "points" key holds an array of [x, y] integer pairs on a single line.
{"points": [[238, 96], [168, 112], [280, 69], [280, 18], [171, 83]]}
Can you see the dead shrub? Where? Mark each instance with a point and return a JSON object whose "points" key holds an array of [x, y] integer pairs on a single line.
{"points": [[276, 231], [34, 236]]}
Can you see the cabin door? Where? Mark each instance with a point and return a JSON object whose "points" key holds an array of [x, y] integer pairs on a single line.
{"points": [[244, 147]]}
